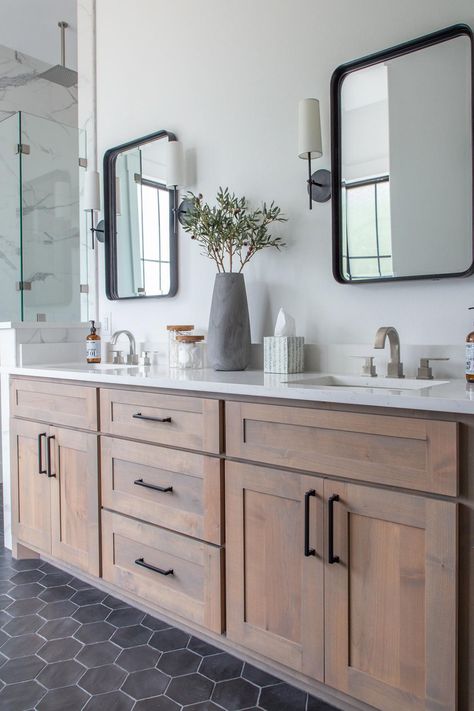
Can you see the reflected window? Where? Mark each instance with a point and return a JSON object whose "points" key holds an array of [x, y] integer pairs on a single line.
{"points": [[154, 231]]}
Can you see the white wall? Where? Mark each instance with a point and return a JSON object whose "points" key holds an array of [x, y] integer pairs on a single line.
{"points": [[226, 77]]}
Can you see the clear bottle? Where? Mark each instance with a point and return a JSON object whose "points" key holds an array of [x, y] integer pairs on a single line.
{"points": [[190, 352], [93, 345], [173, 333], [470, 355]]}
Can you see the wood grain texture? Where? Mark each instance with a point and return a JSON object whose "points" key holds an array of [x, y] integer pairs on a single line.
{"points": [[398, 451], [195, 422], [274, 592], [390, 615], [194, 590], [59, 404], [192, 507]]}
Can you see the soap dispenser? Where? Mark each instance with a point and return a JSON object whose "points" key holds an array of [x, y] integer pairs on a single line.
{"points": [[470, 355], [93, 345]]}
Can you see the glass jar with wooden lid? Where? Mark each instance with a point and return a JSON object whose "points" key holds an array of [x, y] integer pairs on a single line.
{"points": [[190, 351], [173, 332]]}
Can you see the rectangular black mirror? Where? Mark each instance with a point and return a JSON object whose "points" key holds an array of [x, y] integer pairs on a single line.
{"points": [[402, 168], [140, 220]]}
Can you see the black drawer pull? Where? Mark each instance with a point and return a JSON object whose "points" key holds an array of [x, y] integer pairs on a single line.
{"points": [[40, 454], [331, 557], [141, 562], [48, 455], [139, 416], [307, 550], [165, 489]]}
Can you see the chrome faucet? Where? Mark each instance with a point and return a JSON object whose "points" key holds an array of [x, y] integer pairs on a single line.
{"points": [[132, 358], [394, 366]]}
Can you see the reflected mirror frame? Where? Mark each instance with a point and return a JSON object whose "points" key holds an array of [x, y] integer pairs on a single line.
{"points": [[110, 230], [337, 80]]}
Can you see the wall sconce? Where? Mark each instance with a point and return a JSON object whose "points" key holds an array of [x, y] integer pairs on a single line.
{"points": [[309, 147], [91, 203], [175, 176]]}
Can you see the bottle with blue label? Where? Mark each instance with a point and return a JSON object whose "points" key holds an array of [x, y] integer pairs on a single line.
{"points": [[470, 355]]}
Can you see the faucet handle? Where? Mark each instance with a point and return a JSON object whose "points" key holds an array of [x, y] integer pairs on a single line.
{"points": [[117, 358], [132, 359], [145, 358], [368, 367], [425, 372]]}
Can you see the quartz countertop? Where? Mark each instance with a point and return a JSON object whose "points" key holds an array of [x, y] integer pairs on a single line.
{"points": [[453, 396]]}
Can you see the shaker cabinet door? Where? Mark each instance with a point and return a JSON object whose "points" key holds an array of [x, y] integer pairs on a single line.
{"points": [[390, 590], [274, 565]]}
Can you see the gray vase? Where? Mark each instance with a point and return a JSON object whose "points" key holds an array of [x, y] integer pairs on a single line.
{"points": [[228, 340]]}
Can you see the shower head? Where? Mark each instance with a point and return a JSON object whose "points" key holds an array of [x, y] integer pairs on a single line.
{"points": [[60, 74]]}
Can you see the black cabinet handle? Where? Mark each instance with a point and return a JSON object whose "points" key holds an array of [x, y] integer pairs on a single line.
{"points": [[140, 482], [331, 557], [307, 550], [141, 562], [40, 453], [48, 455], [139, 416]]}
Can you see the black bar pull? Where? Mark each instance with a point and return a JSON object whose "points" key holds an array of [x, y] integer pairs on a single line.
{"points": [[307, 550], [48, 455], [139, 416], [141, 562], [165, 489], [331, 557], [40, 453]]}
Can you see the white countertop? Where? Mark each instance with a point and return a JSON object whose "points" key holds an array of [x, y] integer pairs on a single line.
{"points": [[449, 396]]}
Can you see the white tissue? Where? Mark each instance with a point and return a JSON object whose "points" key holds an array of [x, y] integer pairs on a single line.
{"points": [[285, 324]]}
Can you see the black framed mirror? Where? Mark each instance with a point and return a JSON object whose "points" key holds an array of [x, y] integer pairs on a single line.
{"points": [[140, 228], [402, 167]]}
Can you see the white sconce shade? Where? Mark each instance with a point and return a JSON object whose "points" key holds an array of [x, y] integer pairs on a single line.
{"points": [[118, 197], [175, 164], [309, 129], [91, 200]]}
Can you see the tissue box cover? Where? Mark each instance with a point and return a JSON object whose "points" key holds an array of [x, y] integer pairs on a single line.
{"points": [[283, 354]]}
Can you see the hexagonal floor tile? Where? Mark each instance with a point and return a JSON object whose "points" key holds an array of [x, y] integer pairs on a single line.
{"points": [[257, 676], [24, 607], [190, 688], [60, 674], [169, 639], [57, 629], [131, 636], [22, 669], [114, 603], [24, 695], [27, 576], [91, 613], [236, 694], [158, 703], [71, 698], [59, 649], [314, 704], [54, 580], [23, 625], [22, 646], [21, 592], [154, 623], [5, 601], [282, 696], [99, 680], [89, 596], [62, 608], [145, 683], [61, 592], [201, 647], [94, 632], [135, 658], [178, 662], [113, 701], [125, 617], [221, 667], [98, 654]]}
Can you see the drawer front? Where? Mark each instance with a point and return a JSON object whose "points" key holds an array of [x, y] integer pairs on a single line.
{"points": [[168, 487], [134, 553], [399, 451], [175, 420], [70, 405]]}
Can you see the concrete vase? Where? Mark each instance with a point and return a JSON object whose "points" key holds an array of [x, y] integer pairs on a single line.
{"points": [[228, 341]]}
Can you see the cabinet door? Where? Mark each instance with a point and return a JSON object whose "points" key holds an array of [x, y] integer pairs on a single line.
{"points": [[274, 583], [74, 498], [31, 511], [390, 609]]}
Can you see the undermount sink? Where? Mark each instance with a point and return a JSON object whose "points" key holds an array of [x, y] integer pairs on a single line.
{"points": [[354, 381]]}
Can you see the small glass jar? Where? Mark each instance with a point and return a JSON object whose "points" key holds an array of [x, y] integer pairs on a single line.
{"points": [[173, 333], [190, 352]]}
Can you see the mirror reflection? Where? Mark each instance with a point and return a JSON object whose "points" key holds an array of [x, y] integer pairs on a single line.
{"points": [[405, 165]]}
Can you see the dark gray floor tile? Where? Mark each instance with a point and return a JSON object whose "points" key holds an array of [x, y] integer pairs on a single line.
{"points": [[259, 677], [131, 636], [204, 706], [22, 646], [113, 701], [154, 623], [21, 592], [4, 618], [22, 696], [54, 580], [89, 596], [5, 586], [114, 603], [22, 669], [23, 625], [190, 688], [48, 567], [220, 667], [71, 698], [178, 662], [54, 610], [60, 674], [3, 637], [282, 697], [5, 601], [27, 576], [135, 658], [62, 592], [158, 703], [314, 704], [56, 629], [25, 607], [100, 680], [60, 649], [125, 617], [201, 647], [91, 613], [235, 694], [27, 564], [145, 683], [98, 654], [169, 639], [78, 584], [94, 632]]}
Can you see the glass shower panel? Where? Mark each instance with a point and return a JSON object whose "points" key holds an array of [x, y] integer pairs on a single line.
{"points": [[10, 247], [50, 221]]}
